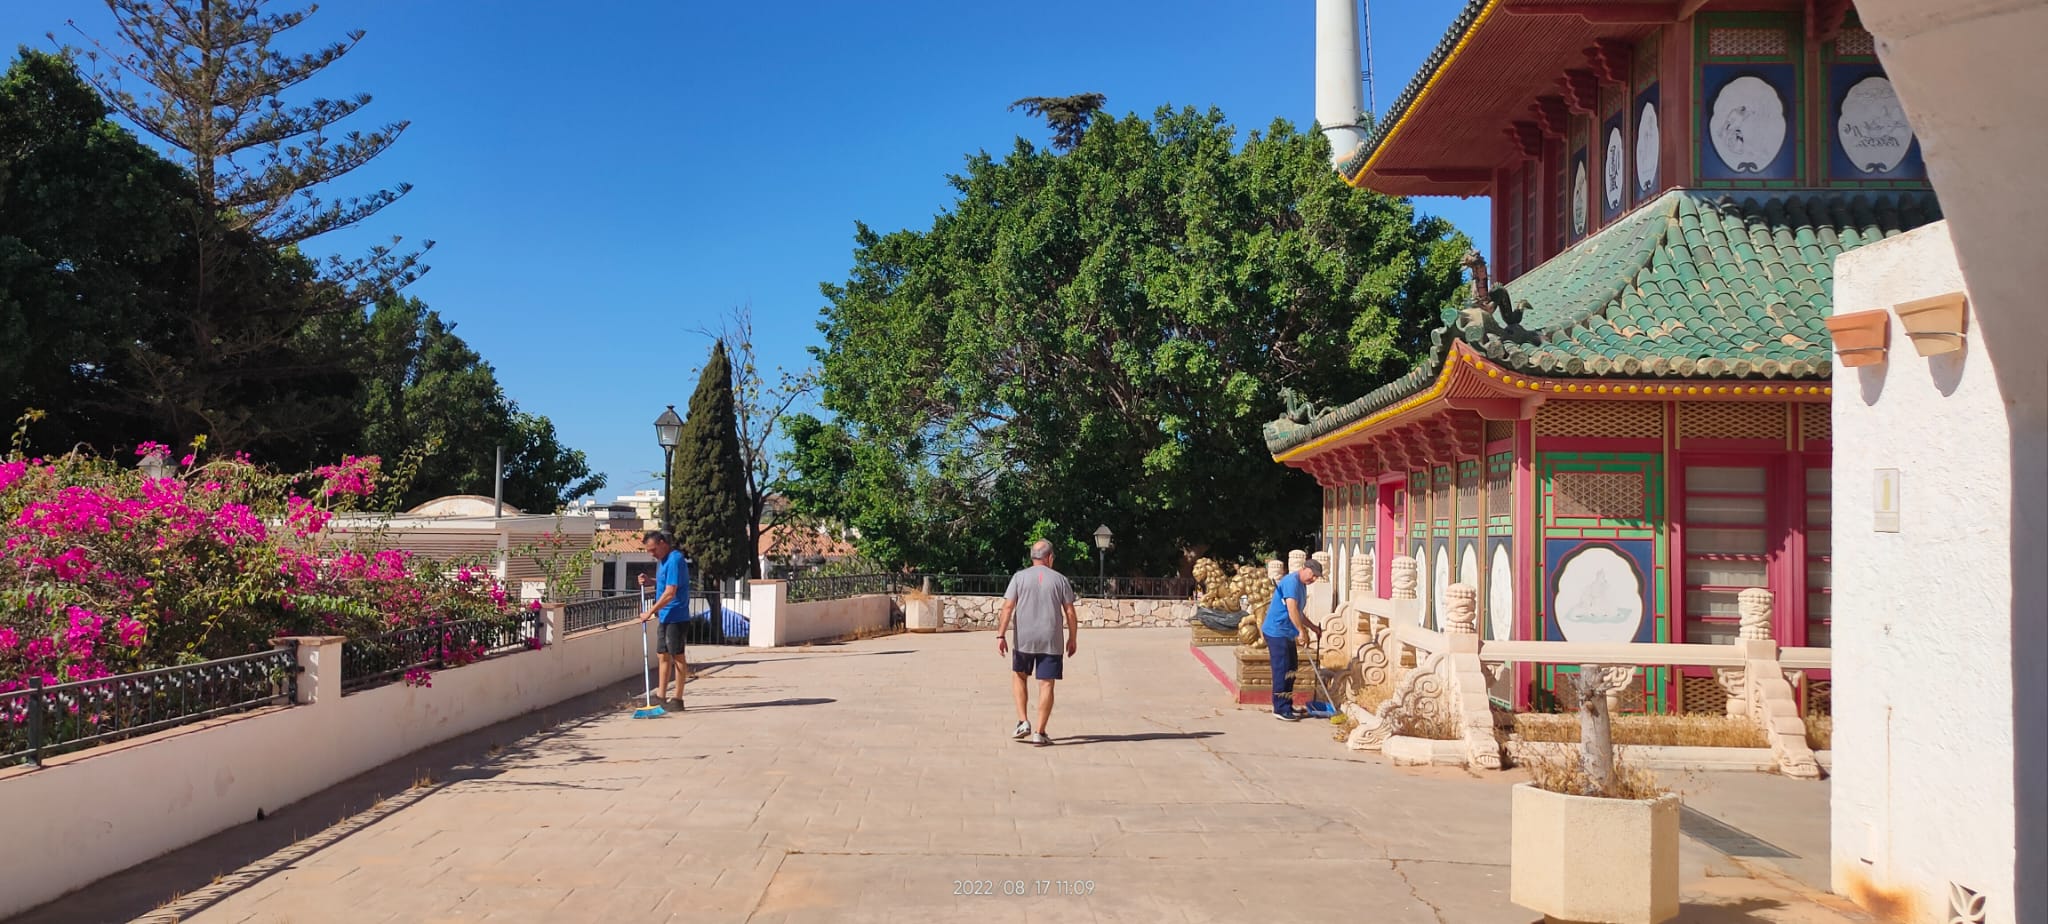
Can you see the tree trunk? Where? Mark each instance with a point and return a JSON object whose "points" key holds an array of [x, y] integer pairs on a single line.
{"points": [[1596, 731]]}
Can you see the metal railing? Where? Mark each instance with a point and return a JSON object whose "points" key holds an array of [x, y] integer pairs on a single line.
{"points": [[376, 660], [597, 612], [40, 721], [1087, 586], [806, 588]]}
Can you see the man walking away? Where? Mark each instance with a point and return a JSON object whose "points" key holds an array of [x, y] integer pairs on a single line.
{"points": [[1038, 596], [672, 605], [1286, 621]]}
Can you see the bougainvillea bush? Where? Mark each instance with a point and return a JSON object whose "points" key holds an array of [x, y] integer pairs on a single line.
{"points": [[107, 569]]}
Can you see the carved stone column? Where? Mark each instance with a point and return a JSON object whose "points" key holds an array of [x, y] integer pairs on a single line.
{"points": [[1755, 604], [1462, 617], [1362, 576], [1465, 678], [1276, 569], [1295, 560]]}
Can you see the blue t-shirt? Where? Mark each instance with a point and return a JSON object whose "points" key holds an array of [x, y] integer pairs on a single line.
{"points": [[674, 572], [1290, 588]]}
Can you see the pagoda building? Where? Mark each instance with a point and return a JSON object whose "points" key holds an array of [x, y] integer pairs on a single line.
{"points": [[1627, 425]]}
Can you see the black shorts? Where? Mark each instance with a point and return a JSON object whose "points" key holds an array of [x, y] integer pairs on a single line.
{"points": [[670, 635], [1044, 666]]}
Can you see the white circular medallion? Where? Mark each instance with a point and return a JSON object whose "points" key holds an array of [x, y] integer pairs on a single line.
{"points": [[1613, 169], [1579, 192], [1500, 596], [1873, 126], [1748, 126], [1649, 143], [1599, 596]]}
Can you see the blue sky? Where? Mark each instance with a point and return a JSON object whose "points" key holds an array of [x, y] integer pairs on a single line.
{"points": [[604, 178]]}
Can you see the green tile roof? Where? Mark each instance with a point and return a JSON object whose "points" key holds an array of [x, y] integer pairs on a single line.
{"points": [[1703, 284]]}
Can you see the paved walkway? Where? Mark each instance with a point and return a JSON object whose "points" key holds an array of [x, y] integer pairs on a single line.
{"points": [[875, 781]]}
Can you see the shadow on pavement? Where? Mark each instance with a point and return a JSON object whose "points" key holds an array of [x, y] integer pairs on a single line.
{"points": [[799, 701], [1145, 736], [186, 881]]}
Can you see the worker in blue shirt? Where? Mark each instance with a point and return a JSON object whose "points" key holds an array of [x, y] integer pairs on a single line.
{"points": [[1286, 621], [672, 606]]}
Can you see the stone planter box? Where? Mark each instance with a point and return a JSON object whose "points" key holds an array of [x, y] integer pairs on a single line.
{"points": [[921, 615], [1612, 861], [1405, 751], [1207, 637]]}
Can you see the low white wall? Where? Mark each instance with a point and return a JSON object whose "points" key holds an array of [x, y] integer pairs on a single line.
{"points": [[84, 816], [822, 619], [961, 611], [1923, 681]]}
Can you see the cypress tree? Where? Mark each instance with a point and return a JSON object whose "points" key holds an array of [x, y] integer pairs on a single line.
{"points": [[708, 485]]}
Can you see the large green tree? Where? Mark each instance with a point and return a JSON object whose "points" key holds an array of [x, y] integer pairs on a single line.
{"points": [[707, 500], [433, 401], [1095, 335]]}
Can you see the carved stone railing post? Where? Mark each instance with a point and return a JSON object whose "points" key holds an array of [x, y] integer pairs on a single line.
{"points": [[1362, 576], [1465, 694], [1276, 569], [1766, 697], [1404, 578], [1295, 559]]}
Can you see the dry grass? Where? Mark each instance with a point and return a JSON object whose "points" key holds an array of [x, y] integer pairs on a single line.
{"points": [[1820, 732], [1436, 726], [1710, 731], [1369, 698], [1555, 767]]}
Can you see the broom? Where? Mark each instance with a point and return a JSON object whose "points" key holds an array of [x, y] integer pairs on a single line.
{"points": [[649, 711]]}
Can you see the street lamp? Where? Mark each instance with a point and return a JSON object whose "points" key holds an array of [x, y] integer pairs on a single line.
{"points": [[1102, 544], [668, 431]]}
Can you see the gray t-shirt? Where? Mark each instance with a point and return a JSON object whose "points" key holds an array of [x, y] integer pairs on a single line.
{"points": [[1040, 594]]}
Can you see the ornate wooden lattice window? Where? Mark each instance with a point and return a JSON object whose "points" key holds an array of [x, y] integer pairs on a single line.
{"points": [[1820, 545], [1500, 486], [1727, 546], [1740, 420], [1602, 419]]}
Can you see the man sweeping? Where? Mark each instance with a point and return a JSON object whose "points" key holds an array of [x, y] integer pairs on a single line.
{"points": [[1038, 597], [1286, 621], [672, 606]]}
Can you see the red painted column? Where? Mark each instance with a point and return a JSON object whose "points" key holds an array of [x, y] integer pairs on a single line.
{"points": [[1528, 531]]}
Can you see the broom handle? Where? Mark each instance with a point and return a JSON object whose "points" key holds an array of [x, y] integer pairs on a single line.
{"points": [[646, 664]]}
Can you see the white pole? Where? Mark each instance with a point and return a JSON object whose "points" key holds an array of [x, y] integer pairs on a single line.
{"points": [[1340, 96]]}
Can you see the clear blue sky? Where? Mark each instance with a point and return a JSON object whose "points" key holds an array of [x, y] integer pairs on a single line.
{"points": [[603, 178]]}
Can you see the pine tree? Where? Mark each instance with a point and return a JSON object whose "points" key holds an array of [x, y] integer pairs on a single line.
{"points": [[708, 484]]}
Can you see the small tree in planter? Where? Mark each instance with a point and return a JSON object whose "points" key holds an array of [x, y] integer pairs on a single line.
{"points": [[1592, 839]]}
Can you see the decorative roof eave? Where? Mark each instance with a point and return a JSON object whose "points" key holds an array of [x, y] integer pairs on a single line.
{"points": [[1354, 167], [1467, 379]]}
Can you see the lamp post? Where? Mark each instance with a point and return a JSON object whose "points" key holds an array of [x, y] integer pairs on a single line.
{"points": [[668, 431], [1102, 544]]}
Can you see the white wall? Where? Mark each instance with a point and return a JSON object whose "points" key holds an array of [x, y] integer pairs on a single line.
{"points": [[1923, 684], [85, 816], [1969, 75], [823, 619]]}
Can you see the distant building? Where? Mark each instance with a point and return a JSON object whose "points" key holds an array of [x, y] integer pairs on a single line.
{"points": [[466, 528]]}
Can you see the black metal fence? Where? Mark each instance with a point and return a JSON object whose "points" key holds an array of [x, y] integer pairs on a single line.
{"points": [[375, 660], [707, 625], [597, 612], [41, 721], [805, 588]]}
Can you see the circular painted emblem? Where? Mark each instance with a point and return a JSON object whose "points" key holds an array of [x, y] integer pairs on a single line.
{"points": [[1599, 596], [1613, 169], [1649, 143], [1579, 198], [1873, 126], [1500, 595], [1748, 125]]}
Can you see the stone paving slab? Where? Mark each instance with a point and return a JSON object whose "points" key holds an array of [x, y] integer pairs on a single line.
{"points": [[874, 781]]}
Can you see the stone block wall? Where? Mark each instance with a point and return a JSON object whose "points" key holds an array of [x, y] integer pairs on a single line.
{"points": [[958, 611]]}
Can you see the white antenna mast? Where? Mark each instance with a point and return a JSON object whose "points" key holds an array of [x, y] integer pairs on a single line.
{"points": [[1372, 104]]}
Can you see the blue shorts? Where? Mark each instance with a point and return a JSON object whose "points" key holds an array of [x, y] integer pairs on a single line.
{"points": [[1044, 666]]}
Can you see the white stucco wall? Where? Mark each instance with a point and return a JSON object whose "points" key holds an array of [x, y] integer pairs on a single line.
{"points": [[1923, 685], [84, 816]]}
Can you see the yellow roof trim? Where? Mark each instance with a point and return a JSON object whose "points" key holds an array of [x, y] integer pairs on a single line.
{"points": [[1436, 388], [1356, 179]]}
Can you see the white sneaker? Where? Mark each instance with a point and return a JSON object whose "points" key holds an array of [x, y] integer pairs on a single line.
{"points": [[1023, 729], [1040, 739]]}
